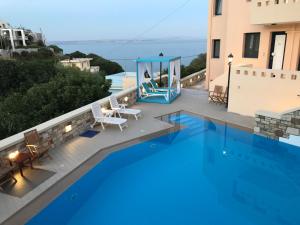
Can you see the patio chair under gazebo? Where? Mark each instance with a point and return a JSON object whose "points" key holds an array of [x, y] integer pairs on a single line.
{"points": [[148, 90]]}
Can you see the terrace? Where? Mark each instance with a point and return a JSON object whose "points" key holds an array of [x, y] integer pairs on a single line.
{"points": [[73, 156]]}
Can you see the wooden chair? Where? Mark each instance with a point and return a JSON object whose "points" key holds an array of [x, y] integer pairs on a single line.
{"points": [[6, 172], [223, 97], [216, 94], [34, 145]]}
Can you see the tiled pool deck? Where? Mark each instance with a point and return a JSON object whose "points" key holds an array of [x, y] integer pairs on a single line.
{"points": [[82, 153]]}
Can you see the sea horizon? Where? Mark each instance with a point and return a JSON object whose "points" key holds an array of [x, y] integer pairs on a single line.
{"points": [[125, 51]]}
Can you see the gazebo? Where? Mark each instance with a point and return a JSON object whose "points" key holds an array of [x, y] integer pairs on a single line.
{"points": [[148, 90]]}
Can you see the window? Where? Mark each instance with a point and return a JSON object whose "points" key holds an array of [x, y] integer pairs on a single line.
{"points": [[216, 48], [218, 7], [251, 45]]}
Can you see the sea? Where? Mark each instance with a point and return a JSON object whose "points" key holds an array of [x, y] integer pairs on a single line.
{"points": [[126, 51]]}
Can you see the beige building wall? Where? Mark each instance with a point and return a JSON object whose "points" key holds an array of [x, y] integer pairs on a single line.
{"points": [[83, 64], [254, 90], [230, 28], [249, 94]]}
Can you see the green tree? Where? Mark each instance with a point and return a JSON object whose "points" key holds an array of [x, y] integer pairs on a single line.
{"points": [[18, 76], [106, 66], [68, 90], [196, 65], [56, 49], [76, 54]]}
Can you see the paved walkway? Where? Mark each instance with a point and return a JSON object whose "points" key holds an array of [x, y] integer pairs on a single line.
{"points": [[70, 156]]}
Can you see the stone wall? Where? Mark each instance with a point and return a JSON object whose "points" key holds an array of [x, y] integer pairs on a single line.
{"points": [[193, 79], [278, 125], [54, 130]]}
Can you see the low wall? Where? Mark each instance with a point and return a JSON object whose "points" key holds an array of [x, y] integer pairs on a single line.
{"points": [[253, 89], [80, 120], [275, 125], [193, 79]]}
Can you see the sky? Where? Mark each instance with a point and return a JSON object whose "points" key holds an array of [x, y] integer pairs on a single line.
{"points": [[72, 20]]}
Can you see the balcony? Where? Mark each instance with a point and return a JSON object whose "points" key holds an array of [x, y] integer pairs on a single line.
{"points": [[264, 89], [275, 11]]}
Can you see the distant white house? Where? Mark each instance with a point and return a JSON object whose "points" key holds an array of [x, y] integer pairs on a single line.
{"points": [[17, 37], [82, 63]]}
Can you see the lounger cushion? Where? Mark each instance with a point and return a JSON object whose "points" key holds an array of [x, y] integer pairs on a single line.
{"points": [[112, 120], [130, 111]]}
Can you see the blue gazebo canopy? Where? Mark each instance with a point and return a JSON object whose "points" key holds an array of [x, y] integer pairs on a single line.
{"points": [[148, 90], [157, 59]]}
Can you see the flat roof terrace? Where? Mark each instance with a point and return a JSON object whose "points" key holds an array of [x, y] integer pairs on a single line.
{"points": [[73, 159]]}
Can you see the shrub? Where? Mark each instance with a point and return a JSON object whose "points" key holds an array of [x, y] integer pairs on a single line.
{"points": [[106, 66], [17, 76], [196, 65], [68, 90], [56, 49]]}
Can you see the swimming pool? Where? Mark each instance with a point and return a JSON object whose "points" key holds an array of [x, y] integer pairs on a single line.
{"points": [[204, 173]]}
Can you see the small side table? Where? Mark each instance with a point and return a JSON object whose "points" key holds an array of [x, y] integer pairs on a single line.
{"points": [[109, 112], [21, 159]]}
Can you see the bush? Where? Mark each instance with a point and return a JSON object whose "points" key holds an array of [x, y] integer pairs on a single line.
{"points": [[56, 49], [41, 53], [196, 65], [68, 90], [106, 66], [76, 54], [18, 76]]}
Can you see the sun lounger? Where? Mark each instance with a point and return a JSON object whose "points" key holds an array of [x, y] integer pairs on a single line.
{"points": [[149, 93], [121, 108], [106, 119], [159, 89]]}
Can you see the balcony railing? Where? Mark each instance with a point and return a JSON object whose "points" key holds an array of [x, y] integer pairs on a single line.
{"points": [[275, 11]]}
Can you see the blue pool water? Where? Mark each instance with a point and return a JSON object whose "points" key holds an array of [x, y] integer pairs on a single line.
{"points": [[205, 174]]}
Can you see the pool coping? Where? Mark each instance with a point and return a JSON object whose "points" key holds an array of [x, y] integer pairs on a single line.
{"points": [[35, 206], [45, 198], [222, 122]]}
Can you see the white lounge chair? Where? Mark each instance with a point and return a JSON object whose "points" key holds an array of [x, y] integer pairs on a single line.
{"points": [[100, 118], [121, 108]]}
